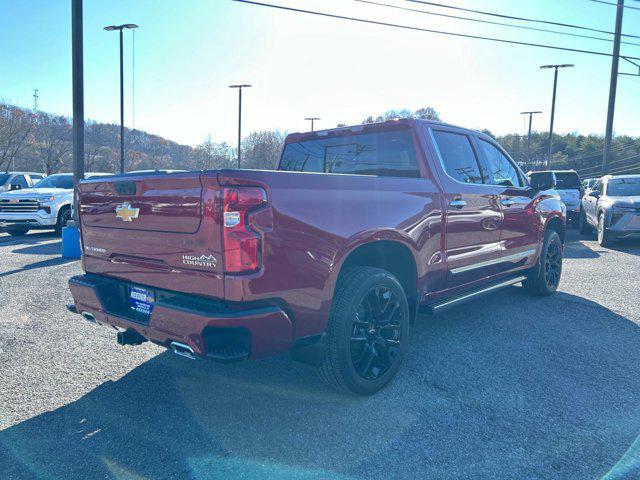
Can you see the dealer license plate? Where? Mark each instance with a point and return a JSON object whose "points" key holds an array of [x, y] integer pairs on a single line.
{"points": [[141, 300]]}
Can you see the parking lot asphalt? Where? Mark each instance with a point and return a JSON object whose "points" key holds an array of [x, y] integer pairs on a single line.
{"points": [[508, 386]]}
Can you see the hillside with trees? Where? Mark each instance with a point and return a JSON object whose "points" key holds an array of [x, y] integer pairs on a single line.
{"points": [[39, 141]]}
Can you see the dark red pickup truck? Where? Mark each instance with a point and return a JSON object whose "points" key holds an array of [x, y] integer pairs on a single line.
{"points": [[329, 258]]}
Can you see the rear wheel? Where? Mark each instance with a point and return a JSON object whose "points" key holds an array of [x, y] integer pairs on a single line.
{"points": [[17, 231], [63, 217], [604, 237], [367, 333], [585, 228], [545, 278]]}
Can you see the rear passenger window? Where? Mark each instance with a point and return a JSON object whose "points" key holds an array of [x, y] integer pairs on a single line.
{"points": [[458, 157], [498, 169], [389, 154]]}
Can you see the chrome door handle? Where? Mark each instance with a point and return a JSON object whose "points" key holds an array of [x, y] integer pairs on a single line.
{"points": [[507, 202], [458, 203]]}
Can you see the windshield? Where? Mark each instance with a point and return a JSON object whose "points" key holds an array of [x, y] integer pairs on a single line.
{"points": [[567, 180], [624, 187], [56, 181], [3, 178]]}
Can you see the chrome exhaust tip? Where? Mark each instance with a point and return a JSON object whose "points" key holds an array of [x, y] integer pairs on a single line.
{"points": [[182, 350], [89, 317]]}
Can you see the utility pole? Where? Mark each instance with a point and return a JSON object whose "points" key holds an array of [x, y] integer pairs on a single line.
{"points": [[120, 28], [35, 99], [78, 93], [312, 119], [553, 104], [531, 114], [613, 85], [240, 87]]}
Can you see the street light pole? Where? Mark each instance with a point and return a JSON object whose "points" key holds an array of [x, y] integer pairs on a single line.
{"points": [[531, 114], [553, 104], [240, 87], [120, 28], [613, 85], [312, 119]]}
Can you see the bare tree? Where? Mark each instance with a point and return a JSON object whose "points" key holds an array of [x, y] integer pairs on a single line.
{"points": [[15, 127], [54, 147], [261, 150]]}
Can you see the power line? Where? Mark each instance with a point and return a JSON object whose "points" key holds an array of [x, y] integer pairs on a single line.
{"points": [[522, 19], [490, 22], [614, 4], [427, 30]]}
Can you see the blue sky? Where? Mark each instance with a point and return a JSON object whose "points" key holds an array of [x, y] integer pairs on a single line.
{"points": [[187, 53]]}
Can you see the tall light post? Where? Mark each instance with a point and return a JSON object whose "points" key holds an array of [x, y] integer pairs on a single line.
{"points": [[312, 119], [240, 87], [531, 114], [120, 28], [553, 103]]}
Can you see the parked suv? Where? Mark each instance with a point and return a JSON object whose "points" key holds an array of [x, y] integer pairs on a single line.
{"points": [[328, 258], [19, 180], [612, 207], [46, 205]]}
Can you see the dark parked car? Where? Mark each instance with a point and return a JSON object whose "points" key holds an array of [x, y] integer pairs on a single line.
{"points": [[328, 258], [612, 207]]}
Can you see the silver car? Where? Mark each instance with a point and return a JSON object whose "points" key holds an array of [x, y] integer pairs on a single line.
{"points": [[612, 207]]}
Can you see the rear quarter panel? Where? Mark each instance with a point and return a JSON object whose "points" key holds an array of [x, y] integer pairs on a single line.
{"points": [[315, 220]]}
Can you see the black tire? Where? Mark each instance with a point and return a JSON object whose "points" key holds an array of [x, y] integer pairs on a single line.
{"points": [[545, 277], [585, 228], [17, 231], [363, 351], [604, 237], [63, 217]]}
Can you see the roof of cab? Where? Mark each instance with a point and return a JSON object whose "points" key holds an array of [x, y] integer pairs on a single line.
{"points": [[368, 127]]}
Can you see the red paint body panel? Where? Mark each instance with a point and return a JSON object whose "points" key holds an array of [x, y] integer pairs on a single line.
{"points": [[309, 226]]}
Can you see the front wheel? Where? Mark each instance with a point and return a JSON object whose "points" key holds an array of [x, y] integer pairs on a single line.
{"points": [[545, 278], [604, 237], [63, 217], [367, 333]]}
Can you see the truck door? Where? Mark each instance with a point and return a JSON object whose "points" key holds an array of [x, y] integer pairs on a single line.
{"points": [[519, 231], [473, 215]]}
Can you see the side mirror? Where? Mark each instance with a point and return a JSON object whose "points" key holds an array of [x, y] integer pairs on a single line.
{"points": [[542, 180], [15, 186]]}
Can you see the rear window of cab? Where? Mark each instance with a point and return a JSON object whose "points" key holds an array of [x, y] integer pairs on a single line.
{"points": [[385, 153]]}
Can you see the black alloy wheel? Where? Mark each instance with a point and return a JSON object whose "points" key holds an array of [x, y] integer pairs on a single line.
{"points": [[553, 265], [377, 333]]}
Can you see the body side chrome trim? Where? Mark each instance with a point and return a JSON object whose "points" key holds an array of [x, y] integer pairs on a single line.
{"points": [[487, 263]]}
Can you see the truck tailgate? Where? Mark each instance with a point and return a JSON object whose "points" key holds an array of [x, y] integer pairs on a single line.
{"points": [[158, 230]]}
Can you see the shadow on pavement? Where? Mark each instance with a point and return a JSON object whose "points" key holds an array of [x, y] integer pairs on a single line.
{"points": [[28, 239], [44, 263], [508, 387], [50, 248]]}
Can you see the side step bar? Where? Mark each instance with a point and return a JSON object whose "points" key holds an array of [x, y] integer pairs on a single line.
{"points": [[452, 302]]}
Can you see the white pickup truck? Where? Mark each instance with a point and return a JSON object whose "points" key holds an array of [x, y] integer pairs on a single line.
{"points": [[45, 206]]}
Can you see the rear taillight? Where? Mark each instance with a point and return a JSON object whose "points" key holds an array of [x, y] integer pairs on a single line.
{"points": [[242, 244]]}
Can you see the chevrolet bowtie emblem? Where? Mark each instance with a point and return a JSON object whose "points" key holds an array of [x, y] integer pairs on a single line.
{"points": [[126, 213]]}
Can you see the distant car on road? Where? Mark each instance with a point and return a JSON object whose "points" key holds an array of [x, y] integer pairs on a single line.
{"points": [[19, 180], [570, 189], [612, 207], [46, 205], [588, 183]]}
